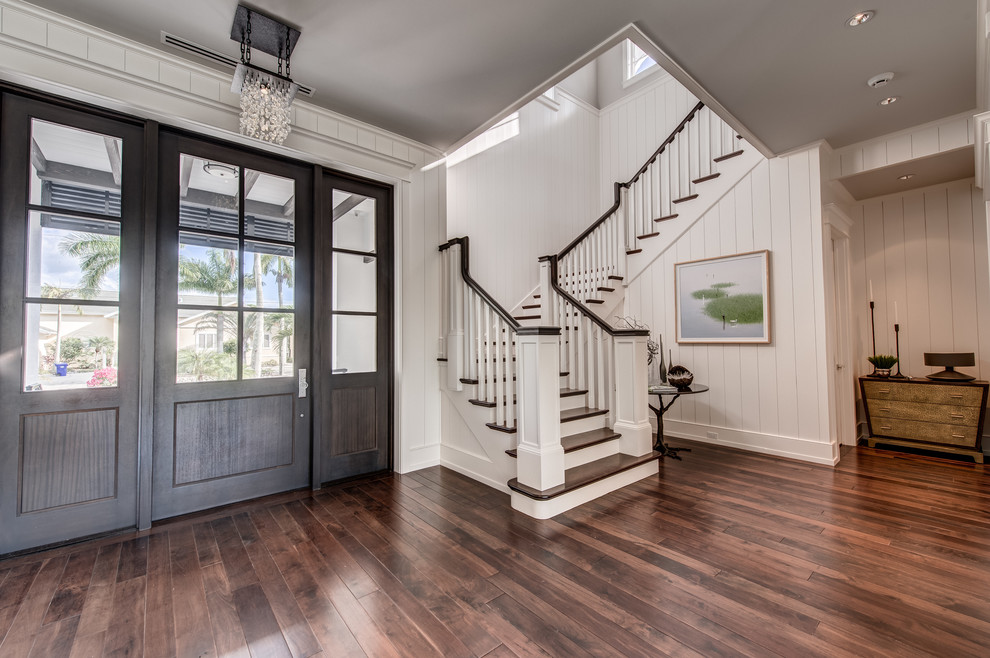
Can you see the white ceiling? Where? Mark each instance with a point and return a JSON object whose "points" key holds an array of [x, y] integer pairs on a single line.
{"points": [[434, 70]]}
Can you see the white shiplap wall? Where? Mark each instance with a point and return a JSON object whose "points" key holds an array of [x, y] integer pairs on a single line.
{"points": [[769, 398], [926, 251], [633, 127], [527, 196]]}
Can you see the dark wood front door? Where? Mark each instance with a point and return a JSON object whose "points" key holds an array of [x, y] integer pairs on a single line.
{"points": [[70, 281], [234, 268], [354, 349]]}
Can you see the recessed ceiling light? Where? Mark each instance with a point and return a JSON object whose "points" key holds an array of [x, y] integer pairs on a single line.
{"points": [[905, 177], [861, 17], [889, 100], [220, 170]]}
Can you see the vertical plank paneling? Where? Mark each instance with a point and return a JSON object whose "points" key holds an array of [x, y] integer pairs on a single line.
{"points": [[939, 269], [926, 250]]}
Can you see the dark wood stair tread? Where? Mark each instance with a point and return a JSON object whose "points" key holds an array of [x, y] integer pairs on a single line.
{"points": [[442, 358], [508, 429], [648, 235], [526, 317], [605, 289], [580, 440], [594, 301], [582, 476], [465, 380], [706, 178], [666, 217], [723, 158], [686, 198], [571, 392], [630, 252], [527, 306], [567, 415]]}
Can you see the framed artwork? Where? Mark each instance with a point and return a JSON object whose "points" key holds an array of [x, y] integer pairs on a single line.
{"points": [[723, 300]]}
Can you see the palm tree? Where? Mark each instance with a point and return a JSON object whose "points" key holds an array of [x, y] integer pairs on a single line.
{"points": [[216, 275], [98, 256], [102, 346], [55, 292]]}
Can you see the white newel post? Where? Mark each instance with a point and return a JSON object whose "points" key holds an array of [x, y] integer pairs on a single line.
{"points": [[546, 299], [540, 456], [632, 418], [455, 339]]}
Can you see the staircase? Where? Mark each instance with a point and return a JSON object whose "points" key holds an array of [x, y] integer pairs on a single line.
{"points": [[552, 396]]}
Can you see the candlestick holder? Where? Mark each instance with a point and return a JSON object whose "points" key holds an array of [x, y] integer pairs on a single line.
{"points": [[873, 332], [897, 342]]}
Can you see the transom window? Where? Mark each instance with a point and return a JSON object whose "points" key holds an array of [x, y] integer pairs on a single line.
{"points": [[236, 273]]}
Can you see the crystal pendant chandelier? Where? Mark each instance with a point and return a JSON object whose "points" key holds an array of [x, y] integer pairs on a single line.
{"points": [[266, 97], [265, 101]]}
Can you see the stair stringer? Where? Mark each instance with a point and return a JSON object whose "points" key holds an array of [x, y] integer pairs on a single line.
{"points": [[709, 194], [473, 449]]}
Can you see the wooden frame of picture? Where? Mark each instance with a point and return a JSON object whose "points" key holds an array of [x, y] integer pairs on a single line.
{"points": [[723, 300]]}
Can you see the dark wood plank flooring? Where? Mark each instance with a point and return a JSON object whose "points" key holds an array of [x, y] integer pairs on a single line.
{"points": [[726, 553]]}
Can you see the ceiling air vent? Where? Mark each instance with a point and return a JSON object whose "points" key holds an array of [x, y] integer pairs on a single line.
{"points": [[212, 55]]}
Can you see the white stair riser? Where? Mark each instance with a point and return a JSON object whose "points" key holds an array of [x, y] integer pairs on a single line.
{"points": [[583, 425], [573, 401], [591, 453]]}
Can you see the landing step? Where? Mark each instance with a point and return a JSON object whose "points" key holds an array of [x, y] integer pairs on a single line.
{"points": [[723, 158], [581, 440], [666, 217], [648, 235], [582, 476], [706, 178], [630, 252], [686, 198], [568, 415]]}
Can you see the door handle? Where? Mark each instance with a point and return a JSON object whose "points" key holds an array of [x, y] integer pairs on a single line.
{"points": [[838, 366], [303, 384]]}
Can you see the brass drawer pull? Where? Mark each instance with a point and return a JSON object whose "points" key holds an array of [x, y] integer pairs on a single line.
{"points": [[884, 427], [956, 416], [883, 390], [958, 436], [885, 409], [955, 396]]}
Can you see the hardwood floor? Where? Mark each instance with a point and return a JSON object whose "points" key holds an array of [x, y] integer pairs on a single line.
{"points": [[727, 553]]}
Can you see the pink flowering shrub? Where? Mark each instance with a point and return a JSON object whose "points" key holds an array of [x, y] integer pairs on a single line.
{"points": [[104, 377]]}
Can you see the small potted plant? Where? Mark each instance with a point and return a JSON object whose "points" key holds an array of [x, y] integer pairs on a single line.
{"points": [[882, 363]]}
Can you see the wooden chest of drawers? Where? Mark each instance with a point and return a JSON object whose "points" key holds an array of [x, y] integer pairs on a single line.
{"points": [[923, 413]]}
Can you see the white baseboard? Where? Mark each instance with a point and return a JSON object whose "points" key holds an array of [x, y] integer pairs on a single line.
{"points": [[815, 452]]}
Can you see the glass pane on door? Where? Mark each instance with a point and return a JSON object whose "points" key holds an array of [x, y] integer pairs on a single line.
{"points": [[354, 344], [354, 283], [75, 169], [353, 222]]}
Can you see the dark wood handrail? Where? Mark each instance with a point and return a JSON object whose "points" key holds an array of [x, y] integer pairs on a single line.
{"points": [[604, 326], [474, 285], [618, 186]]}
